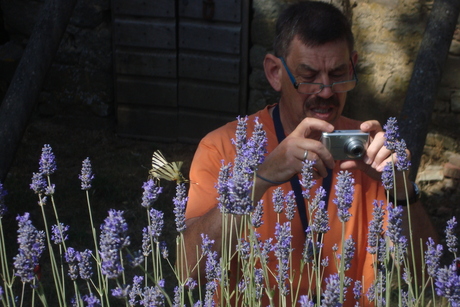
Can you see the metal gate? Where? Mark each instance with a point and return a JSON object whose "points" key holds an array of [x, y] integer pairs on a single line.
{"points": [[180, 66]]}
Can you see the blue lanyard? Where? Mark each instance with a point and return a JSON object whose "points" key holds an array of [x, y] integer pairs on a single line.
{"points": [[295, 183]]}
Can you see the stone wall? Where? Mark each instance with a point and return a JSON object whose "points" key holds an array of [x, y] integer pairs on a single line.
{"points": [[388, 34]]}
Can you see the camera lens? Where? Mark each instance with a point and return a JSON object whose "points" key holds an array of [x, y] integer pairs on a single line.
{"points": [[354, 148]]}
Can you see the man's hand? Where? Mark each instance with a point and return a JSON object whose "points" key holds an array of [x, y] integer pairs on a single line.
{"points": [[286, 160]]}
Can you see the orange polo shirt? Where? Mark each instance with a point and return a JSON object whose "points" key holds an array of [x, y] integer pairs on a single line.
{"points": [[217, 147]]}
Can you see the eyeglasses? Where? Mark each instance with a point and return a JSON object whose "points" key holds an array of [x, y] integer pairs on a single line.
{"points": [[316, 88]]}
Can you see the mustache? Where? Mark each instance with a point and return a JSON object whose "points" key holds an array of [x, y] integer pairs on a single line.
{"points": [[321, 102]]}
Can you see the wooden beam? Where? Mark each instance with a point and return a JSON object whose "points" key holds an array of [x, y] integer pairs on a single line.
{"points": [[20, 99], [415, 117]]}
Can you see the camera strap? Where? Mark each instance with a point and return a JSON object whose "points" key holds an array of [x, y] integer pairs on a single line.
{"points": [[295, 182]]}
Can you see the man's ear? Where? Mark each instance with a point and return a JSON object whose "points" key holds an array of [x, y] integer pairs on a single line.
{"points": [[272, 68]]}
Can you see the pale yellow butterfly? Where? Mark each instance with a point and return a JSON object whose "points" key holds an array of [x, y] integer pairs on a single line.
{"points": [[162, 169]]}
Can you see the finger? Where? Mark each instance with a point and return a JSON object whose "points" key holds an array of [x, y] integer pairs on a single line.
{"points": [[376, 151], [316, 152], [308, 125], [371, 126]]}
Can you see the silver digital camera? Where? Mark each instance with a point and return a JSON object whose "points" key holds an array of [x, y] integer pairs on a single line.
{"points": [[346, 144]]}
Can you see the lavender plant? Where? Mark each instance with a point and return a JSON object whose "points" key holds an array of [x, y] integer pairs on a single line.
{"points": [[99, 277]]}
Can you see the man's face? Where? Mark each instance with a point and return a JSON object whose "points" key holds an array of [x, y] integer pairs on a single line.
{"points": [[325, 64]]}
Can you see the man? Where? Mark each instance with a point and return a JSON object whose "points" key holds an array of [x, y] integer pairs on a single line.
{"points": [[313, 67]]}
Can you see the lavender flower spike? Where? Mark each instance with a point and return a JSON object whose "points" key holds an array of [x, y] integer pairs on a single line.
{"points": [[180, 201], [402, 159], [448, 283], [71, 257], [391, 133], [375, 227], [150, 194], [387, 176], [47, 164], [156, 227], [59, 234], [3, 208], [451, 238], [84, 264], [344, 190], [432, 257], [38, 184], [332, 291], [31, 246], [112, 239], [307, 178], [86, 176]]}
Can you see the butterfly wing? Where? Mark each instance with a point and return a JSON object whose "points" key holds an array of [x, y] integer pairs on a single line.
{"points": [[162, 169]]}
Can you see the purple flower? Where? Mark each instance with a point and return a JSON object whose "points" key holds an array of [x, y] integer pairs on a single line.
{"points": [[71, 257], [308, 251], [259, 283], [305, 301], [86, 175], [191, 283], [394, 232], [321, 219], [307, 178], [265, 248], [3, 208], [344, 190], [319, 196], [150, 194], [290, 205], [38, 184], [177, 296], [432, 257], [223, 189], [153, 296], [448, 283], [135, 259], [121, 292], [59, 233], [84, 264], [135, 290], [375, 227], [254, 149], [402, 159], [325, 262], [332, 292], [164, 250], [283, 252], [391, 133], [31, 246], [47, 164], [113, 238], [91, 300], [349, 252], [244, 249], [387, 176], [146, 247], [240, 192], [206, 244], [249, 152], [212, 267], [358, 290], [256, 216], [157, 223], [278, 200], [180, 201], [451, 238]]}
